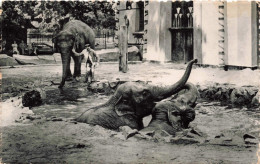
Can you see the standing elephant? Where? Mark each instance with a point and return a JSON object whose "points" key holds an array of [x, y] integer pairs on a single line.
{"points": [[74, 34], [175, 113], [131, 102]]}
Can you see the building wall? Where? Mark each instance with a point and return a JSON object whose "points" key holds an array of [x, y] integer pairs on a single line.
{"points": [[206, 32], [197, 31], [224, 33], [165, 41], [158, 34], [242, 34], [153, 27], [239, 33], [210, 33]]}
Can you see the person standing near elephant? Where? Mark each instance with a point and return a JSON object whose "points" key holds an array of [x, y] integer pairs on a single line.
{"points": [[15, 50], [30, 48], [91, 59], [22, 47]]}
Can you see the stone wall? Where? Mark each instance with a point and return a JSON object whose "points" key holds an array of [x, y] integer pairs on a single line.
{"points": [[246, 96], [236, 96]]}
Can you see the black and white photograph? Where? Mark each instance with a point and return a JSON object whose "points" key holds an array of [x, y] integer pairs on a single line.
{"points": [[130, 81]]}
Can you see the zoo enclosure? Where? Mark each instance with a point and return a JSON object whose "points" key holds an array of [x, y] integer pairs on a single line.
{"points": [[104, 38]]}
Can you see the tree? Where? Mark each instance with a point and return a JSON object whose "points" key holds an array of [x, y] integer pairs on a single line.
{"points": [[45, 16]]}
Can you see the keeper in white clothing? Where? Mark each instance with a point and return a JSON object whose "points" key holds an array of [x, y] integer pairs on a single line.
{"points": [[91, 59]]}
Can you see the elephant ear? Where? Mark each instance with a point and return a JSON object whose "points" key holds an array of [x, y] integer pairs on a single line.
{"points": [[124, 107]]}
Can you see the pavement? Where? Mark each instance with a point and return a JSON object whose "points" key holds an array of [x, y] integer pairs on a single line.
{"points": [[158, 73]]}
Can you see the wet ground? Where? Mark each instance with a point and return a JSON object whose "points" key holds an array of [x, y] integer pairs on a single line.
{"points": [[46, 133]]}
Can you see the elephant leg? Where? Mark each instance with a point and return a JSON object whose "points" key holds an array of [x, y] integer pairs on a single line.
{"points": [[65, 68], [77, 65], [69, 74]]}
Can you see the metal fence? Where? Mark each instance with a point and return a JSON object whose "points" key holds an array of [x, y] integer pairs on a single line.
{"points": [[104, 38], [40, 38]]}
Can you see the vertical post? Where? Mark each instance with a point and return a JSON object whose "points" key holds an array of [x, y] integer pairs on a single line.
{"points": [[105, 41], [123, 55]]}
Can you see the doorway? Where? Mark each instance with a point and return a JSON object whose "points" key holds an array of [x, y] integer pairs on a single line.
{"points": [[182, 31]]}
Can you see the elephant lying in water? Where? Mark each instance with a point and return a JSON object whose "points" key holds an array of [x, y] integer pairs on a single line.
{"points": [[175, 113], [131, 102]]}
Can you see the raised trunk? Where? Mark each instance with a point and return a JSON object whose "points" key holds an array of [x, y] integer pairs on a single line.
{"points": [[160, 93]]}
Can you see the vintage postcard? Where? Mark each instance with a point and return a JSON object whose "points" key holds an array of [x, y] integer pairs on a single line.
{"points": [[130, 82]]}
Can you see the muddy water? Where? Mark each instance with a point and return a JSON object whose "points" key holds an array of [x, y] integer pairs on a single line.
{"points": [[212, 118], [51, 138], [46, 134]]}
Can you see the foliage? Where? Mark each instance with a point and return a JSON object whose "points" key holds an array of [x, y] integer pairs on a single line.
{"points": [[47, 15]]}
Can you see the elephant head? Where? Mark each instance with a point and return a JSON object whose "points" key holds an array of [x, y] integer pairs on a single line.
{"points": [[74, 34], [131, 102], [176, 112]]}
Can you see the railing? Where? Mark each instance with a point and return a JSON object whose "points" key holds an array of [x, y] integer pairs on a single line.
{"points": [[104, 38]]}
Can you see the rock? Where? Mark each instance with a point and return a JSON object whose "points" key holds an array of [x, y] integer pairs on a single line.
{"points": [[106, 55], [220, 135], [250, 139], [239, 96], [223, 93], [245, 136], [30, 117], [56, 119], [223, 142], [31, 99], [218, 95], [253, 141], [252, 91], [184, 140], [99, 87], [127, 131], [227, 139], [196, 131], [120, 136], [210, 92], [255, 100], [134, 54], [6, 60], [147, 133]]}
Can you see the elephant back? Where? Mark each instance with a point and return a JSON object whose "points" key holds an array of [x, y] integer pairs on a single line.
{"points": [[84, 32]]}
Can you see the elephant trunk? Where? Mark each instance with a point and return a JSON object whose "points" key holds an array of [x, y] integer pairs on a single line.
{"points": [[191, 94], [65, 68], [160, 93]]}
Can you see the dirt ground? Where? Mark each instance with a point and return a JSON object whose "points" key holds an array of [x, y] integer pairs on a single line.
{"points": [[46, 134]]}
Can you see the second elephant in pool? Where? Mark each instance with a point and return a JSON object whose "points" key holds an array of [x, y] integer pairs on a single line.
{"points": [[175, 113], [131, 102]]}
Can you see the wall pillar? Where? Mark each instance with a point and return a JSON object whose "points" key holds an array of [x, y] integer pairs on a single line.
{"points": [[197, 31], [165, 41], [242, 33]]}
